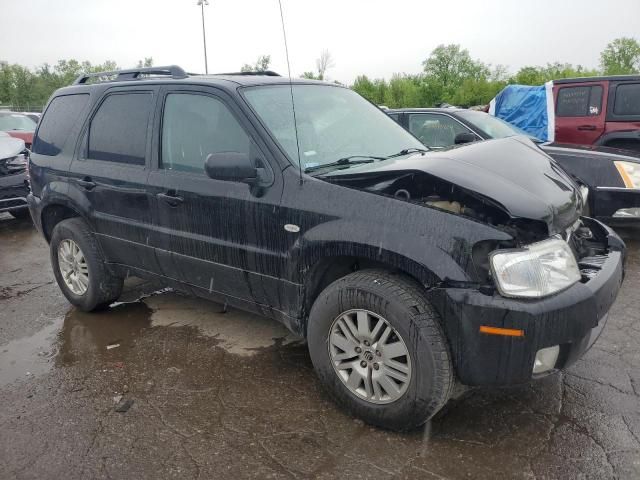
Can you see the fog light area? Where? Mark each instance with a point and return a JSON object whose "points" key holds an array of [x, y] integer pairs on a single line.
{"points": [[546, 359], [627, 213]]}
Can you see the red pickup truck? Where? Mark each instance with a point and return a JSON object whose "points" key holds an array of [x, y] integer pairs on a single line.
{"points": [[598, 111]]}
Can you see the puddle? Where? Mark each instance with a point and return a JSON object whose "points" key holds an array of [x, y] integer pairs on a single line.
{"points": [[105, 336], [238, 332], [29, 356], [94, 335]]}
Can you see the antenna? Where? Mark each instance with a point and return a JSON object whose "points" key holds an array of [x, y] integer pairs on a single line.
{"points": [[293, 104]]}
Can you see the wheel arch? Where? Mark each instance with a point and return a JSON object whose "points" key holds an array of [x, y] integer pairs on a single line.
{"points": [[52, 214], [327, 269]]}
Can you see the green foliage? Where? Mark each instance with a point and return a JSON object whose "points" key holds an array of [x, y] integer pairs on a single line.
{"points": [[261, 65], [552, 71], [22, 87], [621, 57]]}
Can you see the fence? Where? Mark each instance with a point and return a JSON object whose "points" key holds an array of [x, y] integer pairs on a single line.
{"points": [[23, 108]]}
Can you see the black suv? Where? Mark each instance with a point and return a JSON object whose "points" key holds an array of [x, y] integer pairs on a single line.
{"points": [[406, 270]]}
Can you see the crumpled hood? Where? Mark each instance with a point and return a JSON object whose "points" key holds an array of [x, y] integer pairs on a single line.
{"points": [[513, 172], [10, 147]]}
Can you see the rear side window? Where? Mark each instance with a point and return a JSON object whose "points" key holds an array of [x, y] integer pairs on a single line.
{"points": [[579, 101], [627, 100], [58, 121], [118, 131], [194, 126]]}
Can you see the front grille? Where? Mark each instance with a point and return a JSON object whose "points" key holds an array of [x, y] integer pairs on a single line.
{"points": [[589, 246]]}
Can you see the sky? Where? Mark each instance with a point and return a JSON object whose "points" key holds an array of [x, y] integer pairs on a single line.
{"points": [[372, 37]]}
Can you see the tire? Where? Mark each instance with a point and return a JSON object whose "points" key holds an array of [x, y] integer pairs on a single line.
{"points": [[402, 304], [102, 288], [20, 213]]}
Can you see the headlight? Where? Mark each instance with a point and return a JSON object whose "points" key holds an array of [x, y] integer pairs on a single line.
{"points": [[538, 270], [630, 173]]}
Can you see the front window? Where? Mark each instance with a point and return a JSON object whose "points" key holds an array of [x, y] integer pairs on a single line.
{"points": [[333, 123], [494, 127], [16, 121]]}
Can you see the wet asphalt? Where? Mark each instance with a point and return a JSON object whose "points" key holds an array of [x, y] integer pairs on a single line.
{"points": [[205, 393]]}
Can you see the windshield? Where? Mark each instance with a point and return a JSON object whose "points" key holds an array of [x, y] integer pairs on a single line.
{"points": [[16, 121], [333, 123], [494, 127]]}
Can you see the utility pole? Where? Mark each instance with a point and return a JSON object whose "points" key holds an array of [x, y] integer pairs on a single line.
{"points": [[202, 3]]}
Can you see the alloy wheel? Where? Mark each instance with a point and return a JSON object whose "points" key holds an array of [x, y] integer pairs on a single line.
{"points": [[369, 356], [73, 267]]}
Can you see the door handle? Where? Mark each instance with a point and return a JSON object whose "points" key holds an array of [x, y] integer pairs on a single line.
{"points": [[172, 200], [587, 127], [87, 183]]}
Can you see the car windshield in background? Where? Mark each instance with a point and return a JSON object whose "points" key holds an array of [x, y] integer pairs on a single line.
{"points": [[493, 126], [333, 123], [16, 121]]}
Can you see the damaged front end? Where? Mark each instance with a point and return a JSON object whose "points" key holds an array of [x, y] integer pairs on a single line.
{"points": [[540, 298]]}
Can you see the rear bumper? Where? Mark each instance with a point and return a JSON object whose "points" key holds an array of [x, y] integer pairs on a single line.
{"points": [[572, 319], [13, 192], [35, 209]]}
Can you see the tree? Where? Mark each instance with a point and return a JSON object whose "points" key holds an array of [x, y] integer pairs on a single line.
{"points": [[146, 63], [261, 65], [324, 63], [448, 66], [621, 57]]}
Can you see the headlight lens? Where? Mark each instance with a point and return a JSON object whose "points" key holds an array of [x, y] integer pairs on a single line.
{"points": [[538, 270], [630, 173]]}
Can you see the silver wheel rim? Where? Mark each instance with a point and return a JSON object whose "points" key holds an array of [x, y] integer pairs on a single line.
{"points": [[73, 267], [369, 356]]}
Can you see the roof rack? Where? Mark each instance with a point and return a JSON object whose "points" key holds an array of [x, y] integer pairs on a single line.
{"points": [[268, 73], [134, 74]]}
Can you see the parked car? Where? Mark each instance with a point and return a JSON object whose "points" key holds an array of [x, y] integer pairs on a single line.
{"points": [[14, 184], [404, 269], [18, 125], [612, 176], [602, 111], [35, 116]]}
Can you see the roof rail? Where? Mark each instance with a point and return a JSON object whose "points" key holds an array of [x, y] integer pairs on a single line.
{"points": [[134, 74], [268, 73]]}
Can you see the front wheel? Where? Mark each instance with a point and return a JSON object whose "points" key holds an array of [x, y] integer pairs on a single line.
{"points": [[79, 266], [379, 349]]}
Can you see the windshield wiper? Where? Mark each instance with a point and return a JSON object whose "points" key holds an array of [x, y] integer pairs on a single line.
{"points": [[407, 151], [351, 160]]}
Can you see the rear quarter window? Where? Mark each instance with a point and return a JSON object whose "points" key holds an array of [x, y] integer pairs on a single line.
{"points": [[627, 101], [61, 116], [118, 130]]}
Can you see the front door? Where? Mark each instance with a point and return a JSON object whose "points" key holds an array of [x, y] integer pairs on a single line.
{"points": [[212, 234], [580, 118], [435, 130]]}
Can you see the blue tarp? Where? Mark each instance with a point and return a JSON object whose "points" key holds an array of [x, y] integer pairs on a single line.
{"points": [[527, 108]]}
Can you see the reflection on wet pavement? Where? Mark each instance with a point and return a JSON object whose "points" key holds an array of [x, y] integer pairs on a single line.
{"points": [[230, 395]]}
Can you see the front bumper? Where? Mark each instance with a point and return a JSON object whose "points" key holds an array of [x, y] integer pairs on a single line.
{"points": [[571, 319], [13, 192]]}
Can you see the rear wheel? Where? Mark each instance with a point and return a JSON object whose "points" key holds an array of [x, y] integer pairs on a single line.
{"points": [[379, 350], [79, 266]]}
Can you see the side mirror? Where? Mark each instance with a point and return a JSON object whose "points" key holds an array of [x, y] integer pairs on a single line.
{"points": [[465, 137], [231, 167]]}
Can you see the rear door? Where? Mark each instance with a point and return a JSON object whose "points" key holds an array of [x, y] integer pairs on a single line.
{"points": [[580, 117], [109, 174], [210, 234]]}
